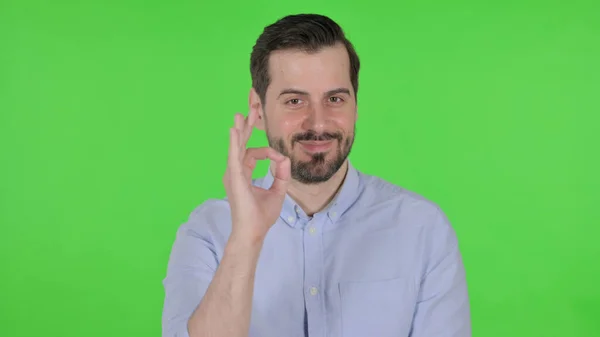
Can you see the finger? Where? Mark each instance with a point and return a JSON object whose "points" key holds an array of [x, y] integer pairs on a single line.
{"points": [[262, 153], [282, 175], [248, 128], [242, 125], [273, 167], [239, 126], [233, 161], [254, 154], [250, 159]]}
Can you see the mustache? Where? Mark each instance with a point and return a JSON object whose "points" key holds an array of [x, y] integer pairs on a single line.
{"points": [[313, 136]]}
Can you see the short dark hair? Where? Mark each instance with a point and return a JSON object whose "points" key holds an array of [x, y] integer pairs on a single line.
{"points": [[307, 32]]}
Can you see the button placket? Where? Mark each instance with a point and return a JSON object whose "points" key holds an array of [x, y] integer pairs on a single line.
{"points": [[313, 260]]}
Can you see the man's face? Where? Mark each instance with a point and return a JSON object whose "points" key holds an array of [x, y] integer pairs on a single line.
{"points": [[310, 111]]}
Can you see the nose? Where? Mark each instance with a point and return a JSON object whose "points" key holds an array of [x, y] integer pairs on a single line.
{"points": [[316, 119]]}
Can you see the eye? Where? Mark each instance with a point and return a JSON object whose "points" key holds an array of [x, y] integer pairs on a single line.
{"points": [[335, 99], [294, 101]]}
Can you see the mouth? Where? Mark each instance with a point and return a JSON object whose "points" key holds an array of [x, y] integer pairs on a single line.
{"points": [[316, 146]]}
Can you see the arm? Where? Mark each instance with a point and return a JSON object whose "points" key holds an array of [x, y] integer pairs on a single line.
{"points": [[202, 296], [203, 299], [443, 305], [226, 307]]}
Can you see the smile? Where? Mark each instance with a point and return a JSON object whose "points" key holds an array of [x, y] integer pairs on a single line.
{"points": [[316, 146]]}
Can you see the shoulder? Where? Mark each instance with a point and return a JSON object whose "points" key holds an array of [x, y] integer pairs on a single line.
{"points": [[211, 220], [211, 212], [378, 192], [406, 207], [420, 222], [208, 225]]}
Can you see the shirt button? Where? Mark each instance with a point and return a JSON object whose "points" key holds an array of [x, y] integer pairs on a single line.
{"points": [[291, 219], [312, 230], [333, 214], [314, 291]]}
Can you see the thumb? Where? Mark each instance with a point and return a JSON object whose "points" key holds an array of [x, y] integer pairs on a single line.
{"points": [[282, 175], [273, 168]]}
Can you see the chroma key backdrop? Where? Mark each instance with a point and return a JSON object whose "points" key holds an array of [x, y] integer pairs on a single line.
{"points": [[114, 120]]}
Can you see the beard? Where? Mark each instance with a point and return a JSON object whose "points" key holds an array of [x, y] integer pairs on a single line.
{"points": [[318, 168]]}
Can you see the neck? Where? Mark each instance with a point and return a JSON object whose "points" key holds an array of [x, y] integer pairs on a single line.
{"points": [[315, 197]]}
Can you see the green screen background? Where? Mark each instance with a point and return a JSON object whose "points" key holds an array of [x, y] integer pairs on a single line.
{"points": [[114, 120]]}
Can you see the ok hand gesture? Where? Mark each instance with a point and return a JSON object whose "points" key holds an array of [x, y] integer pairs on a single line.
{"points": [[253, 209]]}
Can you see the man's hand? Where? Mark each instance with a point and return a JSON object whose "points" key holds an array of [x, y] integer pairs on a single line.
{"points": [[253, 209], [226, 306]]}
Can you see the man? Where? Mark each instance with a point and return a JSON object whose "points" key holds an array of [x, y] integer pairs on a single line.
{"points": [[314, 248]]}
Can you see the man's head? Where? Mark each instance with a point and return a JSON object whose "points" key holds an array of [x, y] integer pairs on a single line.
{"points": [[304, 84]]}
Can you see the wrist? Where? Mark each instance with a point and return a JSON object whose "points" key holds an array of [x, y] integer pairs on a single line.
{"points": [[241, 241]]}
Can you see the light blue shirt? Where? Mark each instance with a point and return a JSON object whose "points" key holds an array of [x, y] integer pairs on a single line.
{"points": [[379, 261]]}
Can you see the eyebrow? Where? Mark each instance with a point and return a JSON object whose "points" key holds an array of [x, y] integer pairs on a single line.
{"points": [[304, 93]]}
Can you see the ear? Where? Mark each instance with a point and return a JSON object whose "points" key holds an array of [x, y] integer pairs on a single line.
{"points": [[255, 106]]}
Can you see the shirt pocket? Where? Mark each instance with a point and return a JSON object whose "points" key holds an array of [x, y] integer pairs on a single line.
{"points": [[377, 308]]}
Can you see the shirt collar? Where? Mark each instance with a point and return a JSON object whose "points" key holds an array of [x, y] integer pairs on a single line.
{"points": [[292, 213]]}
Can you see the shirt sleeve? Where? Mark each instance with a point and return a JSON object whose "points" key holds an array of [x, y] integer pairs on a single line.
{"points": [[191, 267], [443, 308]]}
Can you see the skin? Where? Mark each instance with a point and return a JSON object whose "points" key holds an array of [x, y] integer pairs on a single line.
{"points": [[310, 98]]}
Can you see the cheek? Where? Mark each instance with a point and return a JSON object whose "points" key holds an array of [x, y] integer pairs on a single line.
{"points": [[282, 128], [290, 125], [346, 124]]}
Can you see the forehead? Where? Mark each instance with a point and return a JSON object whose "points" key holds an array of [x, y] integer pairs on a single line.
{"points": [[314, 72]]}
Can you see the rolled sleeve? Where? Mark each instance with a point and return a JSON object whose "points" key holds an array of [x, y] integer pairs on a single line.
{"points": [[192, 264]]}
